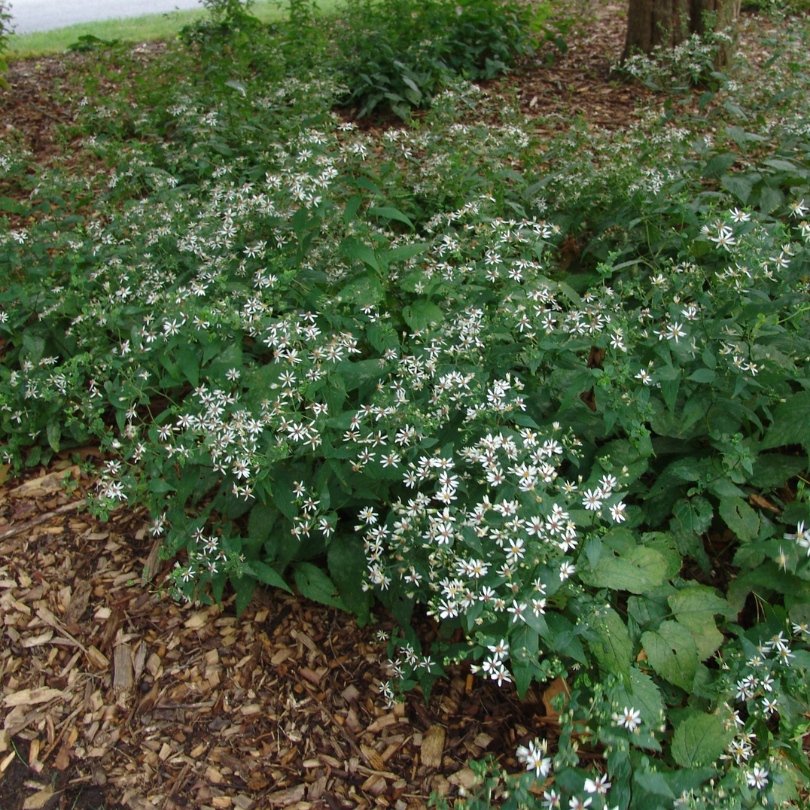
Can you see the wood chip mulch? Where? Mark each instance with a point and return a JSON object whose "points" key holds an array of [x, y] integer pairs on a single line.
{"points": [[114, 696]]}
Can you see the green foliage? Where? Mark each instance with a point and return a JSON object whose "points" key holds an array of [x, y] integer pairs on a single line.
{"points": [[5, 33], [397, 53], [349, 364]]}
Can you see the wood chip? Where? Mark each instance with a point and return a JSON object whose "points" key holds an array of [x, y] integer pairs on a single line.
{"points": [[433, 746], [78, 602], [123, 672], [30, 697], [284, 798], [482, 740], [382, 722], [374, 760], [97, 658], [37, 641]]}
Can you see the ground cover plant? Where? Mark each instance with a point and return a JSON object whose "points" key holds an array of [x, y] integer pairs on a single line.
{"points": [[312, 351]]}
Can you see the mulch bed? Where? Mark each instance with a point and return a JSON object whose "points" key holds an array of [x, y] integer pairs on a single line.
{"points": [[115, 696]]}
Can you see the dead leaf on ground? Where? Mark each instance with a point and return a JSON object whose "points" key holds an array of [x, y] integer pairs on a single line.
{"points": [[433, 746]]}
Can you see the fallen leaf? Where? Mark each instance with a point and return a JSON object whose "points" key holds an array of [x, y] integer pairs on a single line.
{"points": [[556, 687], [62, 759], [38, 799], [433, 746], [29, 697], [465, 778]]}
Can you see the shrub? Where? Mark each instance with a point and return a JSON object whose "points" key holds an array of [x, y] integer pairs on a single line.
{"points": [[312, 352], [396, 53]]}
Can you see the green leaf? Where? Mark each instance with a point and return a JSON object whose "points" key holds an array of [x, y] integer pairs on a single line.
{"points": [[643, 695], [694, 514], [640, 569], [719, 165], [740, 518], [404, 252], [269, 576], [244, 587], [353, 248], [391, 213], [315, 584], [422, 313], [770, 199], [189, 364], [346, 561], [350, 211], [612, 648], [54, 432], [791, 423], [694, 607], [672, 653], [699, 740], [738, 186], [703, 375]]}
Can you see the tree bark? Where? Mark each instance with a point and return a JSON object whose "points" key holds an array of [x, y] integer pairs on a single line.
{"points": [[669, 22]]}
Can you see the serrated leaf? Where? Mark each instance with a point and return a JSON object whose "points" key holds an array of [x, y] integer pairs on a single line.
{"points": [[353, 248], [421, 314], [346, 560], [244, 587], [315, 584], [640, 569], [694, 607], [719, 165], [613, 647], [269, 576], [740, 518], [672, 653], [643, 695], [738, 186], [699, 740], [694, 514], [791, 423]]}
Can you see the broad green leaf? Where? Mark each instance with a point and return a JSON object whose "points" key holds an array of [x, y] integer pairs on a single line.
{"points": [[244, 586], [703, 375], [346, 562], [54, 432], [353, 248], [261, 520], [613, 648], [391, 213], [695, 514], [637, 571], [699, 740], [269, 576], [738, 185], [694, 607], [791, 423], [643, 695], [404, 252], [672, 653], [740, 518], [421, 314], [719, 165], [189, 364], [315, 584], [773, 469]]}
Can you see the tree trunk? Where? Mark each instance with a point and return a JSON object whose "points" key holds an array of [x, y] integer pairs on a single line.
{"points": [[670, 22]]}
